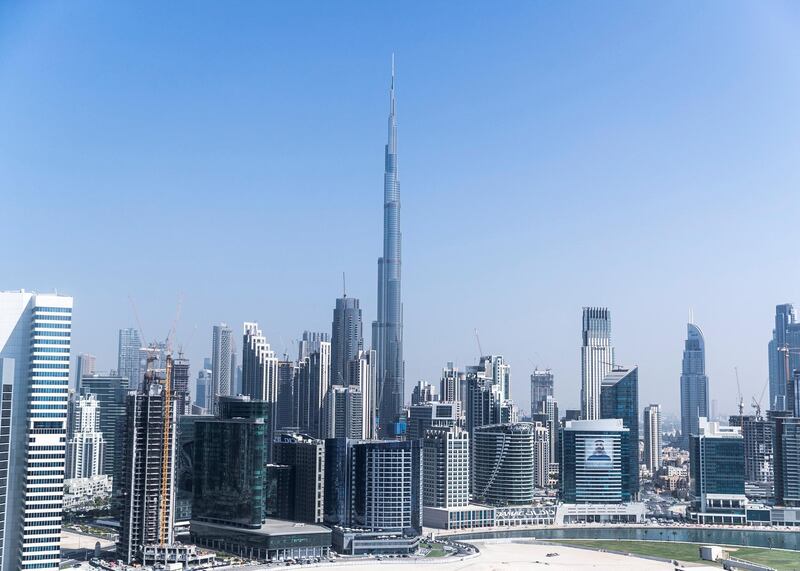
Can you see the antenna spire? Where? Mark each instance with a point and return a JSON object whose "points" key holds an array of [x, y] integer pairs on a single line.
{"points": [[344, 286]]}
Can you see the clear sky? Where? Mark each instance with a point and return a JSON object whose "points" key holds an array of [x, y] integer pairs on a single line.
{"points": [[552, 155]]}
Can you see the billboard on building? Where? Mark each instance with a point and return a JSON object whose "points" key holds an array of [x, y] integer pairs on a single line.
{"points": [[598, 452]]}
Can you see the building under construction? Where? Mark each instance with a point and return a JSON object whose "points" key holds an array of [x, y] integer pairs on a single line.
{"points": [[148, 472]]}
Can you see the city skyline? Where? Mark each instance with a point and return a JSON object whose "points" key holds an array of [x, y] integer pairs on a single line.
{"points": [[531, 317]]}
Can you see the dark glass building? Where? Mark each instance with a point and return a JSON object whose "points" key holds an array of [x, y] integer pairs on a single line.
{"points": [[787, 460], [619, 398], [305, 457], [338, 452]]}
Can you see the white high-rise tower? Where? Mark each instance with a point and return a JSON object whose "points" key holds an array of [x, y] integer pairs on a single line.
{"points": [[597, 358], [35, 332]]}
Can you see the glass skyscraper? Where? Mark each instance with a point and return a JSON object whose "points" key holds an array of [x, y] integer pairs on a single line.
{"points": [[387, 329], [784, 354], [619, 398], [694, 383], [346, 339]]}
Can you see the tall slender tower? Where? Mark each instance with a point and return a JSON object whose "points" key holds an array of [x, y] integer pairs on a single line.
{"points": [[694, 383], [597, 358], [387, 330]]}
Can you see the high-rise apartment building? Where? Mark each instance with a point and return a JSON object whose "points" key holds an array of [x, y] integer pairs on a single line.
{"points": [[130, 357], [85, 364], [35, 333], [541, 388], [452, 387], [343, 411], [594, 462], [313, 381], [305, 458], [221, 349], [652, 437], [619, 398], [180, 385], [148, 469], [784, 354], [597, 358], [387, 329], [432, 414], [541, 455], [85, 442], [423, 392], [484, 402], [110, 392], [445, 471], [502, 464], [309, 343], [286, 407], [346, 339], [553, 424], [362, 376], [260, 372], [787, 460], [203, 388], [694, 383], [758, 434]]}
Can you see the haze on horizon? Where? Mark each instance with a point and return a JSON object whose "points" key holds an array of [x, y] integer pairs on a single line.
{"points": [[551, 156]]}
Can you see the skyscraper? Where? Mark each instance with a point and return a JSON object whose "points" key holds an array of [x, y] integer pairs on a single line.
{"points": [[203, 388], [286, 406], [110, 392], [305, 458], [347, 338], [652, 437], [541, 456], [541, 388], [313, 381], [84, 365], [423, 392], [220, 363], [445, 470], [362, 376], [452, 385], [309, 343], [387, 330], [502, 464], [694, 383], [784, 354], [129, 357], [180, 385], [787, 460], [35, 333], [619, 398], [85, 445], [597, 358]]}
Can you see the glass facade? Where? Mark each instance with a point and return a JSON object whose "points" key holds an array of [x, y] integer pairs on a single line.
{"points": [[619, 398], [694, 383]]}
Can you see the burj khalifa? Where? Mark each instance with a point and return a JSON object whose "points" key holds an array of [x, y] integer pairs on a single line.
{"points": [[387, 329]]}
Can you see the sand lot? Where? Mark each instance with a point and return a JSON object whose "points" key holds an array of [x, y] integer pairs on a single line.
{"points": [[511, 555]]}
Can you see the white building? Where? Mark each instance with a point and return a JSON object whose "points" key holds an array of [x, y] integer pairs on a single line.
{"points": [[362, 375], [221, 349], [344, 407], [86, 446], [597, 358], [541, 456], [652, 437], [35, 333], [445, 468]]}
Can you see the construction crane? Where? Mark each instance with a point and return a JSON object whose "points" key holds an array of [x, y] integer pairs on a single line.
{"points": [[741, 399], [478, 339], [756, 404]]}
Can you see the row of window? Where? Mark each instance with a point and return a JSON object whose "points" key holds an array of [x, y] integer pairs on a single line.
{"points": [[41, 326], [46, 309], [48, 342], [48, 334], [47, 374], [44, 522]]}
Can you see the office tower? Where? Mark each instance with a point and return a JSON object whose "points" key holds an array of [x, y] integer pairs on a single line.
{"points": [[541, 455], [35, 332], [619, 398], [423, 392], [230, 455], [85, 443], [220, 363], [203, 388], [338, 482], [110, 392], [553, 426], [180, 385], [787, 460], [362, 375], [758, 434], [793, 393], [236, 371], [387, 329], [502, 464], [784, 354], [207, 363], [84, 365], [484, 402], [343, 411], [593, 462], [445, 470], [541, 388], [694, 383], [148, 468], [184, 472], [452, 385], [130, 357], [597, 358], [306, 458], [652, 437], [314, 380], [310, 344], [347, 338], [387, 486], [424, 416], [716, 473], [286, 407]]}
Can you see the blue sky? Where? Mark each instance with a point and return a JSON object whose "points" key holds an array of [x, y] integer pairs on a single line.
{"points": [[552, 155]]}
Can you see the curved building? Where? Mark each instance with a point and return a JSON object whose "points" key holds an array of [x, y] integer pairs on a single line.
{"points": [[503, 464]]}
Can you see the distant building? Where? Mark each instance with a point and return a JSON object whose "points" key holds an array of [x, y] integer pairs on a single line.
{"points": [[180, 385], [553, 426], [85, 364], [541, 456], [541, 388], [344, 409], [423, 392], [260, 373], [310, 343], [619, 398], [652, 437], [221, 349], [110, 392], [314, 380], [85, 445], [130, 357], [503, 464], [452, 386], [716, 474], [594, 460], [784, 355], [694, 383], [305, 457], [203, 389], [787, 460], [757, 433], [422, 417], [597, 358], [286, 407], [445, 481], [362, 376]]}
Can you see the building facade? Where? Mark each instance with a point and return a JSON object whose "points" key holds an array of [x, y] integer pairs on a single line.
{"points": [[445, 472], [541, 388], [787, 460], [305, 458], [652, 437], [503, 464], [85, 444], [130, 364], [784, 354], [694, 383], [221, 349], [619, 398], [347, 337]]}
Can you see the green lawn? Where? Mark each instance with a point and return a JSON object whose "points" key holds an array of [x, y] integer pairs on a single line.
{"points": [[436, 550], [688, 552]]}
